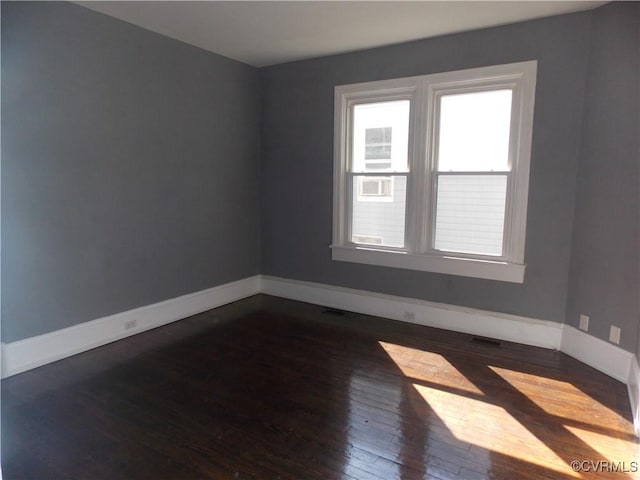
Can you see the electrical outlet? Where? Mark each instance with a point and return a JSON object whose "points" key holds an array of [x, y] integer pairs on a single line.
{"points": [[409, 316], [129, 324], [614, 334], [584, 323]]}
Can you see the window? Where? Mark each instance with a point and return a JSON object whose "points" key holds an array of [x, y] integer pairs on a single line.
{"points": [[432, 172]]}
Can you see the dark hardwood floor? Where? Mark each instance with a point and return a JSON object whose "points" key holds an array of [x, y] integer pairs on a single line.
{"points": [[267, 388]]}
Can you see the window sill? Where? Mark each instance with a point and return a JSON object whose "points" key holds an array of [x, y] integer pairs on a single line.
{"points": [[502, 271]]}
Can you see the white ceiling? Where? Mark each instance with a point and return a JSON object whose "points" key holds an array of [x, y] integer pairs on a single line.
{"points": [[267, 32]]}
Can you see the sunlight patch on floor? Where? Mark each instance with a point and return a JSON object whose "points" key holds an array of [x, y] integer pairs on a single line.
{"points": [[572, 404], [429, 367], [492, 428], [616, 450]]}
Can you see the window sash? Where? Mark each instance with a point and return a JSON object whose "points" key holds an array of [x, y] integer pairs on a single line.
{"points": [[435, 186], [350, 206], [369, 98]]}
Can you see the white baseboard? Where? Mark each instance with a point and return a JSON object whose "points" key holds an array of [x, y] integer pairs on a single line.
{"points": [[612, 360], [513, 328], [601, 355], [33, 352], [633, 385]]}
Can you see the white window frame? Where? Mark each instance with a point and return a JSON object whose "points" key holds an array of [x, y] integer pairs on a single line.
{"points": [[423, 93]]}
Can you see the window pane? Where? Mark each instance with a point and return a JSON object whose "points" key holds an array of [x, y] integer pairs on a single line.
{"points": [[378, 210], [470, 213], [474, 131], [380, 137]]}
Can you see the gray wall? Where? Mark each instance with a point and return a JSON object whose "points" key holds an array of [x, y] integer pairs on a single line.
{"points": [[130, 168], [604, 263], [297, 149]]}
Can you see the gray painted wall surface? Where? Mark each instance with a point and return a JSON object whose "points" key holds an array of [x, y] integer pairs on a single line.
{"points": [[130, 168], [297, 146], [604, 264]]}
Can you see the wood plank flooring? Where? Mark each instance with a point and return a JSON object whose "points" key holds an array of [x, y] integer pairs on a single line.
{"points": [[267, 388]]}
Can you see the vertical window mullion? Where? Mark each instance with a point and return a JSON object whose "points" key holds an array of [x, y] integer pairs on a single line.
{"points": [[413, 188], [427, 162], [411, 211], [432, 165]]}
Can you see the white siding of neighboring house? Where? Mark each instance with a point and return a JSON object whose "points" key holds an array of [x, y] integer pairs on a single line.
{"points": [[384, 219]]}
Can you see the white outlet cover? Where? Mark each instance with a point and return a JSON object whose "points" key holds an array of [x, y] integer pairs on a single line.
{"points": [[584, 323], [614, 334]]}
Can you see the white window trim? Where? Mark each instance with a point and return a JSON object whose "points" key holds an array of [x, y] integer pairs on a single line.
{"points": [[422, 91]]}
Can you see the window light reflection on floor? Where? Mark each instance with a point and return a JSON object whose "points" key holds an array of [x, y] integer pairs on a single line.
{"points": [[616, 450], [468, 417], [586, 407], [428, 367], [491, 427]]}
